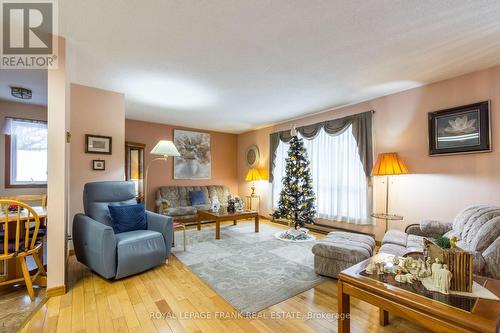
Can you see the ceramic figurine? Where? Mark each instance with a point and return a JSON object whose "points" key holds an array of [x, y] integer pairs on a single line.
{"points": [[453, 242], [402, 264], [370, 268], [428, 265], [436, 266], [215, 204], [405, 278], [231, 202], [421, 263], [380, 267], [443, 280], [424, 272], [395, 260], [239, 204]]}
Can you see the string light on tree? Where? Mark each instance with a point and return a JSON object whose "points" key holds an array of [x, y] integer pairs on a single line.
{"points": [[297, 198]]}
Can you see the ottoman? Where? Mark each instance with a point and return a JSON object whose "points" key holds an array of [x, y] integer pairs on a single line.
{"points": [[341, 250]]}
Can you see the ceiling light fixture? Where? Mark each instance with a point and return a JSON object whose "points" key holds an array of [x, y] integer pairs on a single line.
{"points": [[21, 93]]}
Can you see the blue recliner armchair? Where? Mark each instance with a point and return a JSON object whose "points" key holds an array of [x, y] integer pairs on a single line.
{"points": [[123, 254]]}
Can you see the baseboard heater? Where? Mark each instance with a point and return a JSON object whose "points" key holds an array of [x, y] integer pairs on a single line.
{"points": [[322, 228]]}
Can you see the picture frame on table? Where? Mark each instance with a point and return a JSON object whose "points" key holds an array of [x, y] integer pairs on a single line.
{"points": [[98, 144], [460, 130]]}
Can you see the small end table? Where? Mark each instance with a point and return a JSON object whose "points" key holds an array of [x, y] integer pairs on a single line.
{"points": [[387, 218], [179, 225]]}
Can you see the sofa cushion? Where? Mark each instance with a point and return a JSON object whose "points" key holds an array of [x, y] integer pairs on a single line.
{"points": [[475, 231], [179, 211], [468, 215], [202, 207], [452, 233], [197, 198], [414, 243], [138, 251], [402, 242], [394, 236], [128, 218], [221, 192], [486, 235], [393, 249], [178, 196]]}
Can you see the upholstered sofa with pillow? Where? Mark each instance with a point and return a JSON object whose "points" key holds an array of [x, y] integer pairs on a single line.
{"points": [[477, 229], [174, 201]]}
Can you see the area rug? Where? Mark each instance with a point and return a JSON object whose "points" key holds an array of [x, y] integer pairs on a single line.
{"points": [[250, 270]]}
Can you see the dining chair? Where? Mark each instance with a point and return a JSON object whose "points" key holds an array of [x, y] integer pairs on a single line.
{"points": [[30, 198], [40, 199], [18, 240]]}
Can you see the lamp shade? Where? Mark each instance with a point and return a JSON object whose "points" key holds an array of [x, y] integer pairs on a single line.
{"points": [[165, 148], [389, 164], [252, 175]]}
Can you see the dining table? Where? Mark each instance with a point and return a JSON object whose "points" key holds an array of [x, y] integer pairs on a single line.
{"points": [[11, 269]]}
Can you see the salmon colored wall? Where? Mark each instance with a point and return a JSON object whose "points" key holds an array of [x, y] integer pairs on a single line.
{"points": [[223, 146], [99, 112], [439, 187]]}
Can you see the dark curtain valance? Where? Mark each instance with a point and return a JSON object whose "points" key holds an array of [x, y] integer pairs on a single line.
{"points": [[361, 129]]}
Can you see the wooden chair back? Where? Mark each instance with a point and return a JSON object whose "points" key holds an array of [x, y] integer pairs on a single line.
{"points": [[15, 225], [31, 198]]}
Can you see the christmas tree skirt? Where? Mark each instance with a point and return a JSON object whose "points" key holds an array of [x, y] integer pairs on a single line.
{"points": [[295, 235], [250, 270]]}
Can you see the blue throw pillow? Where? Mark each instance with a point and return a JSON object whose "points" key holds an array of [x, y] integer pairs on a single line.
{"points": [[128, 218], [197, 198]]}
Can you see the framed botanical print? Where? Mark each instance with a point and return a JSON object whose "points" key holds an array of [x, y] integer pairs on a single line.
{"points": [[195, 161], [460, 130], [97, 144]]}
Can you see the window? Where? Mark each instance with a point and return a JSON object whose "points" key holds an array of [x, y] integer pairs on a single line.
{"points": [[339, 180], [26, 153]]}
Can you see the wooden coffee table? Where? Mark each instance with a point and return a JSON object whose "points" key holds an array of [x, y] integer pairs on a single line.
{"points": [[431, 314], [223, 215]]}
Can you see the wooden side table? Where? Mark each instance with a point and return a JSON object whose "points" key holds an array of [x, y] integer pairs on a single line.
{"points": [[249, 202]]}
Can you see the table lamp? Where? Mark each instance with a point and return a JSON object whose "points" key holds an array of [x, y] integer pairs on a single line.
{"points": [[253, 175], [388, 164], [164, 148]]}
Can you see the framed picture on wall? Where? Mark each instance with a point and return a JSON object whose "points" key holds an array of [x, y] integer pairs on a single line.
{"points": [[460, 130], [99, 165], [195, 161], [98, 144]]}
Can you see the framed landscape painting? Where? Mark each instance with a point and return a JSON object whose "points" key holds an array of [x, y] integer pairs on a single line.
{"points": [[98, 144], [195, 161], [460, 130]]}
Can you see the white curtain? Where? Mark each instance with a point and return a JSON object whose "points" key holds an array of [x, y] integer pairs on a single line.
{"points": [[28, 150], [339, 180]]}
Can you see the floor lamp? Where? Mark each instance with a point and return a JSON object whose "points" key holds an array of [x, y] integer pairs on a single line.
{"points": [[388, 164], [165, 149]]}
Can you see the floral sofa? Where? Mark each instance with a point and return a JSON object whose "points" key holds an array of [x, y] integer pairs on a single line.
{"points": [[174, 200], [477, 229]]}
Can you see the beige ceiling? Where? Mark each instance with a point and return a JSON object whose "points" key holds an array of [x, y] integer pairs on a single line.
{"points": [[235, 65]]}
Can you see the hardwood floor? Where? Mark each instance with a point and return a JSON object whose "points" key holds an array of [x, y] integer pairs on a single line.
{"points": [[171, 298]]}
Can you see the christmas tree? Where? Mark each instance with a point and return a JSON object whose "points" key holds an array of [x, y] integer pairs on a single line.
{"points": [[297, 197]]}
